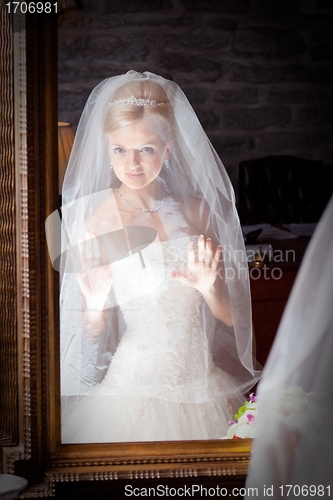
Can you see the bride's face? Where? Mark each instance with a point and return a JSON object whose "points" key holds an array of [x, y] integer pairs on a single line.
{"points": [[137, 154]]}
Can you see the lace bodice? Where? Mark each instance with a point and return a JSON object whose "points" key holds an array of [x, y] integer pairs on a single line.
{"points": [[163, 352]]}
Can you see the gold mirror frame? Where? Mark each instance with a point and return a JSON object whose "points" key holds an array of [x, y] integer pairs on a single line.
{"points": [[29, 339]]}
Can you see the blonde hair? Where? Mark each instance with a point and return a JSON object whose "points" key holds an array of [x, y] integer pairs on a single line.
{"points": [[121, 115]]}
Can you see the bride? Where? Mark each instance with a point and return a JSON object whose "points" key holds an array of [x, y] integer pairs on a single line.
{"points": [[156, 336]]}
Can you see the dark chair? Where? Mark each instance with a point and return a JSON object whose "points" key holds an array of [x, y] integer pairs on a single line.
{"points": [[283, 189]]}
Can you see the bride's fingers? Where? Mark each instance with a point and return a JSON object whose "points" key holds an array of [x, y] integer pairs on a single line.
{"points": [[216, 259], [191, 253], [95, 246], [89, 248], [82, 254], [209, 252], [201, 248]]}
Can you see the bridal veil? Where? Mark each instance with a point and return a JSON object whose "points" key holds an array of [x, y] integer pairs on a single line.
{"points": [[196, 175], [295, 421]]}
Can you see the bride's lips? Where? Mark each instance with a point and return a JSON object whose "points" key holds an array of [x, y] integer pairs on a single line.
{"points": [[134, 176]]}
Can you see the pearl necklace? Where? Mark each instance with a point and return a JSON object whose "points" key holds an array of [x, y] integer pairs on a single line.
{"points": [[138, 209]]}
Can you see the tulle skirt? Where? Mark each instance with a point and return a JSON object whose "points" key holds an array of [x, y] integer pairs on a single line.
{"points": [[103, 418], [98, 419]]}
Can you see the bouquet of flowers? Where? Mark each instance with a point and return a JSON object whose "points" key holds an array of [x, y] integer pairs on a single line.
{"points": [[246, 417], [290, 402]]}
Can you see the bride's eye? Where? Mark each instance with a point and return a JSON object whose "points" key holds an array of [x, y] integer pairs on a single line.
{"points": [[119, 151], [147, 149]]}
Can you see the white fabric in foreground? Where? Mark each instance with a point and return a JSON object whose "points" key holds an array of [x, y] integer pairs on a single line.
{"points": [[294, 443]]}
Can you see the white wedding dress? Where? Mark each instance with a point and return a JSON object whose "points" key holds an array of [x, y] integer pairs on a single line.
{"points": [[162, 383]]}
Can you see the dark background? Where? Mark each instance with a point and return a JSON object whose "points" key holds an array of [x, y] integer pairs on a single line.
{"points": [[258, 72]]}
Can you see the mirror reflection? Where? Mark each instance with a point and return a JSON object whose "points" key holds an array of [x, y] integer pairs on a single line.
{"points": [[156, 337]]}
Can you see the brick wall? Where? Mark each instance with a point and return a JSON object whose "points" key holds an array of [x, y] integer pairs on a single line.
{"points": [[258, 73]]}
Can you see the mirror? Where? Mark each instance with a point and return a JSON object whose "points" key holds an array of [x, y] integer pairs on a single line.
{"points": [[30, 421]]}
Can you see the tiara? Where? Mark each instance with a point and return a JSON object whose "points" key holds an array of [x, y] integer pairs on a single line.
{"points": [[136, 101]]}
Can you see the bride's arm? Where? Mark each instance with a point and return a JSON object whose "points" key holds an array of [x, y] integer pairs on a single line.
{"points": [[217, 301], [93, 316], [219, 306], [212, 285], [95, 282], [94, 323]]}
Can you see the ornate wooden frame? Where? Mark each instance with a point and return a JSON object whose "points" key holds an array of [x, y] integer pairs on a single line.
{"points": [[29, 339]]}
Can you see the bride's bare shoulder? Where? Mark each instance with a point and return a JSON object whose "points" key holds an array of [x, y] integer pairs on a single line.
{"points": [[105, 218], [196, 211]]}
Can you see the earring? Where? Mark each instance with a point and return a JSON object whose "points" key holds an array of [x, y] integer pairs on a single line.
{"points": [[166, 163], [111, 167]]}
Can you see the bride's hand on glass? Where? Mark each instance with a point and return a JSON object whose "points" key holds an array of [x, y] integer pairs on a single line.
{"points": [[95, 280], [200, 273]]}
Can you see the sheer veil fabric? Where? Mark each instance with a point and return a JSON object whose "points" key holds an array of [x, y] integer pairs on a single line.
{"points": [[196, 183], [295, 424]]}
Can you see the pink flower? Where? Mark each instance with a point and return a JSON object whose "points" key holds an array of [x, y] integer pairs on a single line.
{"points": [[250, 417], [253, 398]]}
